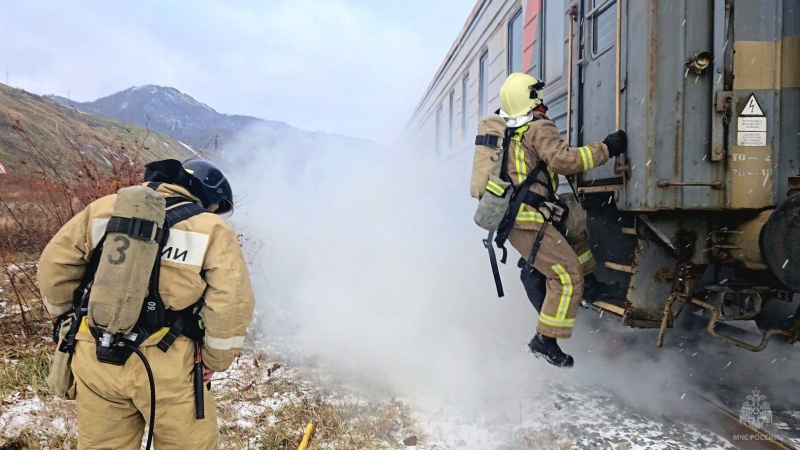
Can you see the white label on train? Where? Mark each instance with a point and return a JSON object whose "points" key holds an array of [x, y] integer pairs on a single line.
{"points": [[752, 124], [751, 138]]}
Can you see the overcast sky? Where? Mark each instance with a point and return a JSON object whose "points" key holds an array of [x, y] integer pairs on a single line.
{"points": [[355, 67]]}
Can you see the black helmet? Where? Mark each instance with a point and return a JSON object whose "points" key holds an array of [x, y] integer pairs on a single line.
{"points": [[215, 187], [202, 178]]}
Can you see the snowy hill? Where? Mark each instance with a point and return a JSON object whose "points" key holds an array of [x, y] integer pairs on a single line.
{"points": [[169, 111]]}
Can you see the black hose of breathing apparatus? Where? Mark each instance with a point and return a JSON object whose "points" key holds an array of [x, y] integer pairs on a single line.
{"points": [[152, 421]]}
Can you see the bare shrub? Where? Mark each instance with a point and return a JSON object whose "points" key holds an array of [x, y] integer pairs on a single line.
{"points": [[33, 208]]}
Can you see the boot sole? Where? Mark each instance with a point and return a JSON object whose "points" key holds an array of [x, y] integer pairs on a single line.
{"points": [[550, 361]]}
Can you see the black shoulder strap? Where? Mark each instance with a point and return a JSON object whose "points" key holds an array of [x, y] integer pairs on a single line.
{"points": [[498, 283], [88, 274], [155, 318], [182, 212], [172, 201], [548, 184], [517, 199], [504, 163], [80, 298]]}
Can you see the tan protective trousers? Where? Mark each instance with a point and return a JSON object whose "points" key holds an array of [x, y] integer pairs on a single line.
{"points": [[114, 401], [577, 233], [557, 261]]}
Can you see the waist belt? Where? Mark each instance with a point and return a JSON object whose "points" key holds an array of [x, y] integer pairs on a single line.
{"points": [[536, 201], [84, 328], [533, 199]]}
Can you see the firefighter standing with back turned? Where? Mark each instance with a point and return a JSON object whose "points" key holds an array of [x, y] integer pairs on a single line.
{"points": [[560, 262], [210, 273]]}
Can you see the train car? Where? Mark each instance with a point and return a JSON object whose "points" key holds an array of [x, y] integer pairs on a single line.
{"points": [[704, 209]]}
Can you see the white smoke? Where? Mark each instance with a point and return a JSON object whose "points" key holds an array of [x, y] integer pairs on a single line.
{"points": [[371, 263], [368, 261]]}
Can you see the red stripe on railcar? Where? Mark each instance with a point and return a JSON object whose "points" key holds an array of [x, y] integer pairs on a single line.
{"points": [[533, 10]]}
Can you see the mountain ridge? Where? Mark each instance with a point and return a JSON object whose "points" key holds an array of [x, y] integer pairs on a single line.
{"points": [[179, 115], [35, 129]]}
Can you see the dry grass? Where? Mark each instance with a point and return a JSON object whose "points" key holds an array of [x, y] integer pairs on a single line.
{"points": [[35, 206], [25, 351], [25, 359], [261, 404], [63, 128]]}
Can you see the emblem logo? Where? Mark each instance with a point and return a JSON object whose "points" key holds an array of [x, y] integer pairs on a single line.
{"points": [[755, 410]]}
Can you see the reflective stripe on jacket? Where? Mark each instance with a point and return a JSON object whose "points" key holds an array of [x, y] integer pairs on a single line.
{"points": [[540, 140]]}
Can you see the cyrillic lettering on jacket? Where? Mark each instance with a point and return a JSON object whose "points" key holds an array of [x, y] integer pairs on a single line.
{"points": [[183, 247]]}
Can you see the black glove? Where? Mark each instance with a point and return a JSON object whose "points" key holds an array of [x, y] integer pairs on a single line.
{"points": [[195, 328], [617, 143]]}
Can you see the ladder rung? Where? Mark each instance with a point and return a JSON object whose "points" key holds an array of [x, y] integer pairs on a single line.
{"points": [[620, 267]]}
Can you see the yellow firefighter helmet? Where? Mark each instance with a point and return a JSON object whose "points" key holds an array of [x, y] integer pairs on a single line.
{"points": [[520, 94]]}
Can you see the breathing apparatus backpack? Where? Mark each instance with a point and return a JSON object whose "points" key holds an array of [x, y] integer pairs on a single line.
{"points": [[118, 293], [499, 200], [126, 263]]}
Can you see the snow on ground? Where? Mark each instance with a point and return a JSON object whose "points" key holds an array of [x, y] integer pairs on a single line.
{"points": [[579, 416], [569, 415], [188, 147], [16, 413], [239, 377], [562, 416]]}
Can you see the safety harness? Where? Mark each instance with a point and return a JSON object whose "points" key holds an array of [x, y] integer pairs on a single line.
{"points": [[153, 315], [520, 195]]}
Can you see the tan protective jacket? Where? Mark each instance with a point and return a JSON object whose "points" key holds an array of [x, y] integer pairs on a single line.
{"points": [[201, 260], [540, 140]]}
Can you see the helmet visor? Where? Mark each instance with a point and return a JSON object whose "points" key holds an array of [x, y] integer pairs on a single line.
{"points": [[224, 208]]}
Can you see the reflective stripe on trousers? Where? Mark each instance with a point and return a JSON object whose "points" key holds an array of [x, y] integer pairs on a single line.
{"points": [[562, 270]]}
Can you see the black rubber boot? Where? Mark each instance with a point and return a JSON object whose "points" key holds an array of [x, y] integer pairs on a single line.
{"points": [[594, 290], [546, 347]]}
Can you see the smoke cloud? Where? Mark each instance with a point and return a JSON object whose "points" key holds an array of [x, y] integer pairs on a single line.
{"points": [[366, 260]]}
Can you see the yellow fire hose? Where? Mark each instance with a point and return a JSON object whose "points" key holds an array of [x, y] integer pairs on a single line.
{"points": [[306, 436]]}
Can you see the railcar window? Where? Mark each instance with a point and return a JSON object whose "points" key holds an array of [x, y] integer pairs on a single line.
{"points": [[604, 25], [555, 19], [464, 97], [451, 124], [515, 43], [483, 84], [439, 131]]}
